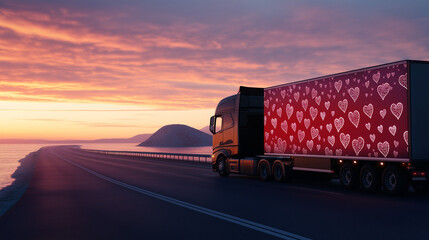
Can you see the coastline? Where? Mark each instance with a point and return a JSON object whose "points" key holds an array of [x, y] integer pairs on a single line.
{"points": [[22, 175]]}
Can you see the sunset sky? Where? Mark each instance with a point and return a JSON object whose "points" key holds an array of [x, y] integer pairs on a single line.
{"points": [[101, 69]]}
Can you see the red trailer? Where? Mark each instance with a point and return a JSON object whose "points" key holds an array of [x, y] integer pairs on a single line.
{"points": [[368, 126]]}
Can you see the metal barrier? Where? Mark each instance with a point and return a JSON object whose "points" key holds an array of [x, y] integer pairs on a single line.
{"points": [[206, 158]]}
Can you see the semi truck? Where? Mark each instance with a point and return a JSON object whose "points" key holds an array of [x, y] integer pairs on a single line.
{"points": [[369, 127]]}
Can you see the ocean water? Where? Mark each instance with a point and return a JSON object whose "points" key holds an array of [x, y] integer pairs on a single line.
{"points": [[10, 154]]}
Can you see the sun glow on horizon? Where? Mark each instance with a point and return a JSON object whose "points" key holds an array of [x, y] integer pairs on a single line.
{"points": [[83, 121]]}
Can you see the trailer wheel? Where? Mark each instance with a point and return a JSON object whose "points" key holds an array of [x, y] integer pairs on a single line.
{"points": [[348, 176], [369, 178], [279, 172], [264, 170], [221, 167], [421, 188], [394, 180]]}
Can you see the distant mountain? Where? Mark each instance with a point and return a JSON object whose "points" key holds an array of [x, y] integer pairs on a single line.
{"points": [[178, 135], [136, 139], [206, 129], [139, 138]]}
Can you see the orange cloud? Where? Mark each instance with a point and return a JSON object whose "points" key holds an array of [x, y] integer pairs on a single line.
{"points": [[71, 54]]}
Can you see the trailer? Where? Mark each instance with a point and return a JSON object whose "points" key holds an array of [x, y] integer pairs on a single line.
{"points": [[368, 127]]}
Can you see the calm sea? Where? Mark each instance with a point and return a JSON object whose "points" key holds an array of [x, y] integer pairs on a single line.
{"points": [[10, 154]]}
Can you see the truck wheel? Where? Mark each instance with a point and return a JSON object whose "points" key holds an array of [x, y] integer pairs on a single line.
{"points": [[394, 181], [369, 178], [348, 176], [221, 167], [279, 172], [421, 188], [264, 170]]}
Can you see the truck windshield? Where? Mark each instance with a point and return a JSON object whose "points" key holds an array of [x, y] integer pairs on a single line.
{"points": [[223, 122], [218, 123]]}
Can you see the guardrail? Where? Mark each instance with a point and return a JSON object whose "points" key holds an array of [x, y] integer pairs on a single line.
{"points": [[206, 158]]}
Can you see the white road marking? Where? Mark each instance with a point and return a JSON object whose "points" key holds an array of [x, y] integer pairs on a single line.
{"points": [[141, 168], [240, 221], [208, 175]]}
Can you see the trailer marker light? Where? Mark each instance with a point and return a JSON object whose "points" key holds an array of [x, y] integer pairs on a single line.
{"points": [[419, 174], [341, 161], [381, 163], [354, 162]]}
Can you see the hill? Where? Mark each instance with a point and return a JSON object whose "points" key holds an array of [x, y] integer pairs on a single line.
{"points": [[178, 135], [206, 129]]}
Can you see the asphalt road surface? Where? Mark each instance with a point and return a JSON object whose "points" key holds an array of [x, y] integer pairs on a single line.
{"points": [[80, 195]]}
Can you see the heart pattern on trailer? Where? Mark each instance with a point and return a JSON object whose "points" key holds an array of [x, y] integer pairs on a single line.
{"points": [[361, 113]]}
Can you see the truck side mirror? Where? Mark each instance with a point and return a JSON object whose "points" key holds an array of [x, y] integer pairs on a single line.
{"points": [[212, 123]]}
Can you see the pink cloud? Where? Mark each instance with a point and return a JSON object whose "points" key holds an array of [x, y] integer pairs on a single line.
{"points": [[184, 59]]}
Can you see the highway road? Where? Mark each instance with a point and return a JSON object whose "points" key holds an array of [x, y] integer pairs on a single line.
{"points": [[76, 194]]}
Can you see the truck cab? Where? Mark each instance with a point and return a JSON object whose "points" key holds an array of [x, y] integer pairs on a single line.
{"points": [[237, 128]]}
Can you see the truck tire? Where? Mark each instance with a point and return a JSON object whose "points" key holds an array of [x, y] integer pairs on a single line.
{"points": [[348, 176], [394, 181], [264, 170], [369, 178], [421, 188], [279, 172], [221, 167]]}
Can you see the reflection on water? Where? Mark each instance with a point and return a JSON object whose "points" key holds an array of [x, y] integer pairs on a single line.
{"points": [[9, 156]]}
